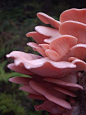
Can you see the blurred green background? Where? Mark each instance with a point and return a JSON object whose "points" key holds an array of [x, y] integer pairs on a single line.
{"points": [[17, 17]]}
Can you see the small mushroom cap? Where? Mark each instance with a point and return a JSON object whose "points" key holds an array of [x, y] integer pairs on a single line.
{"points": [[50, 94], [74, 28], [49, 32], [50, 107], [48, 20], [65, 91], [79, 51], [81, 65], [64, 84], [74, 14], [60, 47], [19, 69], [53, 55], [19, 54], [27, 88], [39, 38], [20, 80], [37, 48], [44, 46]]}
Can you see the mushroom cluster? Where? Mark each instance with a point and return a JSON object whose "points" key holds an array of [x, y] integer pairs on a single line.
{"points": [[54, 74]]}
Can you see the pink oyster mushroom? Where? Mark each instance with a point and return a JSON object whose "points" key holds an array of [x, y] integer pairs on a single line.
{"points": [[54, 74]]}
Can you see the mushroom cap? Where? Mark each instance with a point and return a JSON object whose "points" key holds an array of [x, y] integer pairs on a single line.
{"points": [[74, 28], [74, 14], [64, 91], [51, 33], [27, 88], [37, 48], [39, 38], [48, 20], [64, 84], [79, 51], [59, 47], [42, 66], [50, 94]]}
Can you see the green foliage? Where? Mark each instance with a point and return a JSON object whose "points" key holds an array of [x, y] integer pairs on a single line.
{"points": [[8, 103]]}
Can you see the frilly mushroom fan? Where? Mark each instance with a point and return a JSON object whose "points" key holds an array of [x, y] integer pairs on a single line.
{"points": [[54, 73]]}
